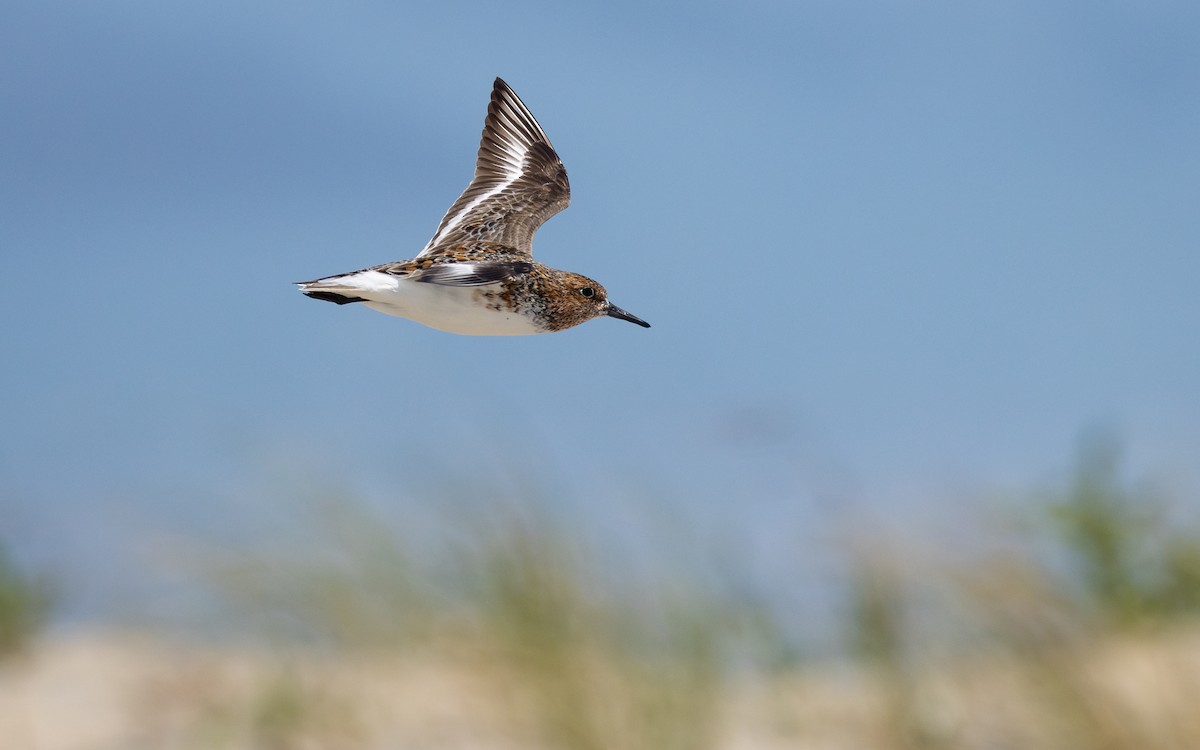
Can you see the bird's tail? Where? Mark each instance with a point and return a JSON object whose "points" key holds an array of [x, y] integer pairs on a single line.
{"points": [[330, 290]]}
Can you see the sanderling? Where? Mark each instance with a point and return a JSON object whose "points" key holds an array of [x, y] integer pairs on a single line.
{"points": [[477, 275]]}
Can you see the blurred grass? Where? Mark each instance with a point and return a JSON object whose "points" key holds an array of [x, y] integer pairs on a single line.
{"points": [[1131, 562], [582, 649], [506, 623], [1103, 577], [25, 602], [578, 656]]}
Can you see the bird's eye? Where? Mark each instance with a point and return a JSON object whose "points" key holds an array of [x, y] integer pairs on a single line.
{"points": [[587, 291]]}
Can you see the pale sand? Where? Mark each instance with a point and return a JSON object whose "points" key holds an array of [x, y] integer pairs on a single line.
{"points": [[127, 692]]}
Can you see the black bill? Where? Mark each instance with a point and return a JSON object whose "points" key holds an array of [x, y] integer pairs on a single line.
{"points": [[616, 312]]}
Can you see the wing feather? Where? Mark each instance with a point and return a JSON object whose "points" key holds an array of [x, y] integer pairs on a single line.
{"points": [[519, 181], [471, 274]]}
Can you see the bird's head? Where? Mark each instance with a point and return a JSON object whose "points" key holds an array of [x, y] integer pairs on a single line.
{"points": [[578, 299]]}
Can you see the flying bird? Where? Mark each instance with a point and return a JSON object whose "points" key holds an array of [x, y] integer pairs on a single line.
{"points": [[477, 275]]}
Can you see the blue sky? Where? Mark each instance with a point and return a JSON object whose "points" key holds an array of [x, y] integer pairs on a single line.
{"points": [[890, 251]]}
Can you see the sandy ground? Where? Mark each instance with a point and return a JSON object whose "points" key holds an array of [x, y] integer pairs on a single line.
{"points": [[127, 692]]}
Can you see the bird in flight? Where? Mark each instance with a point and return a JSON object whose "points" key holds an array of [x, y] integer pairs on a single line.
{"points": [[477, 275]]}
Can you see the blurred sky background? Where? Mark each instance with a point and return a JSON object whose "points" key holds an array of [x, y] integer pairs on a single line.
{"points": [[897, 256]]}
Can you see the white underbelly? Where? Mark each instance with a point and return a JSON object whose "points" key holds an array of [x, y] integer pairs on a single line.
{"points": [[456, 309]]}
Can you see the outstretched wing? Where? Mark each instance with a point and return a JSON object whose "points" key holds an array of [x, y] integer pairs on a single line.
{"points": [[519, 181]]}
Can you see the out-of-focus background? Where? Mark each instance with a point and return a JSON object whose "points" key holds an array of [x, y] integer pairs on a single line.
{"points": [[908, 459]]}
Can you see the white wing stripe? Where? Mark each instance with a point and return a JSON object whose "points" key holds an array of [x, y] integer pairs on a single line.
{"points": [[514, 173]]}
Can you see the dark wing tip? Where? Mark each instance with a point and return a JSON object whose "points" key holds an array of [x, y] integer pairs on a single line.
{"points": [[501, 90], [509, 117]]}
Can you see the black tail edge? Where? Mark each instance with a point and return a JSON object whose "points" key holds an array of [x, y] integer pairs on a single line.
{"points": [[335, 298]]}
